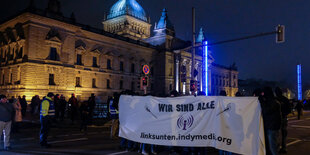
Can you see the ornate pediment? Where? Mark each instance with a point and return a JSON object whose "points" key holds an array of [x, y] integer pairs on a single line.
{"points": [[96, 51], [54, 39], [121, 56], [80, 50], [132, 59], [53, 35], [142, 61], [111, 53]]}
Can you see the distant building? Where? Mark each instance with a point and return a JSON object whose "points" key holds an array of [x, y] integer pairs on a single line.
{"points": [[247, 87], [307, 94], [42, 51]]}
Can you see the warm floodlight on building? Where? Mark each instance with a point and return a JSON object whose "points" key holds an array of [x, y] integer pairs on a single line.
{"points": [[205, 67], [299, 83]]}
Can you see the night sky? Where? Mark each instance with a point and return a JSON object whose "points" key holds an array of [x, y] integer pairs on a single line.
{"points": [[221, 20]]}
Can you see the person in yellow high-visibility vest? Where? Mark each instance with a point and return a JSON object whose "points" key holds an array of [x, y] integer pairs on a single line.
{"points": [[47, 113]]}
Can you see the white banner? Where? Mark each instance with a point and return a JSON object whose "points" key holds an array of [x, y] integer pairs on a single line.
{"points": [[233, 124]]}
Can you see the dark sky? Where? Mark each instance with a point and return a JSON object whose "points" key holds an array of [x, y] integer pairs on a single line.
{"points": [[221, 20]]}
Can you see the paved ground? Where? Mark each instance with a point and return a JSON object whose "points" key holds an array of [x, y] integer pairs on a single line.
{"points": [[67, 139]]}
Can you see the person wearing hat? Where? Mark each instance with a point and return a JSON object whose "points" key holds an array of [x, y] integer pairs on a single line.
{"points": [[6, 117], [47, 113]]}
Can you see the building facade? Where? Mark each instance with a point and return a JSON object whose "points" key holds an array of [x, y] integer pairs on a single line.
{"points": [[43, 51]]}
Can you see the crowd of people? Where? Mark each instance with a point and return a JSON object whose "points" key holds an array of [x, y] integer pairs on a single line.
{"points": [[51, 109]]}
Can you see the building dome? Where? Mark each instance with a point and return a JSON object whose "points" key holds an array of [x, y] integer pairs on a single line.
{"points": [[127, 7]]}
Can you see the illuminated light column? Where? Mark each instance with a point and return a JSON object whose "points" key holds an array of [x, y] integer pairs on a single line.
{"points": [[205, 67], [200, 80], [177, 75], [299, 83]]}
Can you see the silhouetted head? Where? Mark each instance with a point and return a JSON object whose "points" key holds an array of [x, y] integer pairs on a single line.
{"points": [[278, 91], [268, 93], [223, 93], [50, 94], [238, 94], [257, 92], [3, 99], [174, 93]]}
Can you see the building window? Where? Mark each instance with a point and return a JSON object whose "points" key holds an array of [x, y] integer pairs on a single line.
{"points": [[3, 79], [121, 84], [79, 59], [53, 54], [94, 83], [121, 66], [9, 54], [4, 56], [1, 55], [109, 64], [170, 87], [132, 68], [78, 82], [95, 62], [11, 78], [20, 53], [51, 80], [220, 82], [108, 84]]}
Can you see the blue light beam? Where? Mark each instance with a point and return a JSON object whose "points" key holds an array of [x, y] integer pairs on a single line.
{"points": [[299, 82], [205, 67]]}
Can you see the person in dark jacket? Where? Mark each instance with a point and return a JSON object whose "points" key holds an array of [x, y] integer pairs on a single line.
{"points": [[73, 105], [6, 117], [23, 103], [285, 110], [57, 105], [62, 107], [299, 108], [271, 110], [84, 111], [32, 104], [91, 105]]}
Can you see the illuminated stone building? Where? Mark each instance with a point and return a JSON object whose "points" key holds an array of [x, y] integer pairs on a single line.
{"points": [[43, 51]]}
